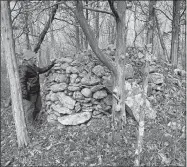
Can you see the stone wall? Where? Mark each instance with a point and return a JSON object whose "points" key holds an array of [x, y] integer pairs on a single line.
{"points": [[77, 87]]}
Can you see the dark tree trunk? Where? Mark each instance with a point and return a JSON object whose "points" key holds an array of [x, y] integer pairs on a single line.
{"points": [[12, 68], [175, 33]]}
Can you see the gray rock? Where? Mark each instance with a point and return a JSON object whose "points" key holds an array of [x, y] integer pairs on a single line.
{"points": [[156, 78], [86, 104], [61, 109], [75, 119], [90, 80], [86, 92], [73, 88], [96, 88], [73, 77], [77, 95], [66, 101], [108, 100], [60, 78], [100, 94], [77, 80], [77, 107], [57, 68], [83, 74], [58, 87], [96, 112], [87, 109], [85, 100], [68, 70], [64, 66], [71, 69], [52, 97], [98, 70]]}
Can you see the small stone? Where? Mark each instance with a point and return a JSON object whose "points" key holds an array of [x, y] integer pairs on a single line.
{"points": [[68, 70], [96, 88], [73, 88], [58, 87], [75, 119], [77, 95], [86, 92], [77, 80], [100, 94], [66, 100], [156, 78], [96, 112], [60, 78], [64, 66], [73, 77], [98, 70], [87, 104], [61, 109], [77, 107], [90, 80], [74, 70], [87, 109]]}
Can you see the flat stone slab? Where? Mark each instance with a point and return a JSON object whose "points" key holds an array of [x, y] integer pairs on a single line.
{"points": [[75, 119]]}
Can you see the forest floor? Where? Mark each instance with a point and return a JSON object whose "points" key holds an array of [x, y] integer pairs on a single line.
{"points": [[91, 144]]}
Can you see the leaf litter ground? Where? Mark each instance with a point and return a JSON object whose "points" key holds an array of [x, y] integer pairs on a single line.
{"points": [[91, 144]]}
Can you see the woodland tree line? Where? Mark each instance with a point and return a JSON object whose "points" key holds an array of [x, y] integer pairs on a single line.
{"points": [[56, 28]]}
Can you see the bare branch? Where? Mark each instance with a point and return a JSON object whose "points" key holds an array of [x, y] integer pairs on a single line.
{"points": [[14, 5], [111, 3], [98, 10], [16, 15], [164, 14], [64, 21]]}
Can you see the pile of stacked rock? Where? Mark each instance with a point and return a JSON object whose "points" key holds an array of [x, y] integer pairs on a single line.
{"points": [[79, 88], [76, 88]]}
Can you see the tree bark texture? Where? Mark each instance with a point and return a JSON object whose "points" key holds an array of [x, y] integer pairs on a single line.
{"points": [[16, 96], [47, 26], [175, 33], [119, 79], [97, 23], [77, 37], [86, 39], [161, 39], [151, 22]]}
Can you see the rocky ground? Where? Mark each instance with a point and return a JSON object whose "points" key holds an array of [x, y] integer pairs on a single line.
{"points": [[91, 144]]}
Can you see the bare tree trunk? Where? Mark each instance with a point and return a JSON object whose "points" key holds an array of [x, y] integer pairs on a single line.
{"points": [[26, 27], [42, 35], [119, 79], [161, 39], [113, 33], [77, 37], [17, 104], [151, 23], [97, 23], [86, 39], [175, 33]]}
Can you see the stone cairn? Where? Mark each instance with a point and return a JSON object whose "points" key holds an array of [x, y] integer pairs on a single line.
{"points": [[76, 90], [79, 87]]}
